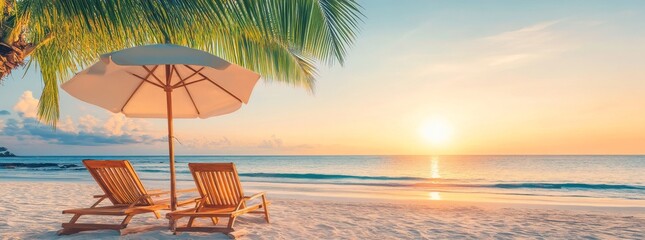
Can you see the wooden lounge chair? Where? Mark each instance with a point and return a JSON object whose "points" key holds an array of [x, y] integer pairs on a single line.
{"points": [[221, 196], [122, 187]]}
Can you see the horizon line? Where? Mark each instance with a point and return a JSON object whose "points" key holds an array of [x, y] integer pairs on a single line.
{"points": [[316, 155]]}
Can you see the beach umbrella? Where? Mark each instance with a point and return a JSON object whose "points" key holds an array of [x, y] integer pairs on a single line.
{"points": [[164, 81]]}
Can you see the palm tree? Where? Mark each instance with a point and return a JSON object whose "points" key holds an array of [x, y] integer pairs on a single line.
{"points": [[280, 39]]}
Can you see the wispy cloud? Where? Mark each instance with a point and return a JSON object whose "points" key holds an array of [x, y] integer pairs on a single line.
{"points": [[275, 143], [272, 142], [535, 34], [508, 49], [206, 143], [524, 44], [506, 59], [87, 131]]}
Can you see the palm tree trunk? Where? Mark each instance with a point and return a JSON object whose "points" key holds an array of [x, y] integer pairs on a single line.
{"points": [[12, 48], [13, 55]]}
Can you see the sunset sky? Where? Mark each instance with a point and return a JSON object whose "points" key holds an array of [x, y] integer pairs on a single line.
{"points": [[492, 77]]}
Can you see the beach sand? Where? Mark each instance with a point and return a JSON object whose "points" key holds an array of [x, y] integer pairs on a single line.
{"points": [[32, 210]]}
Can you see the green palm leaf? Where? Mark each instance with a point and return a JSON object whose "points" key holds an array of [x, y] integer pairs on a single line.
{"points": [[282, 40]]}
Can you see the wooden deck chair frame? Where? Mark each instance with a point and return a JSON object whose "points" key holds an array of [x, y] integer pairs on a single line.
{"points": [[221, 195], [122, 186]]}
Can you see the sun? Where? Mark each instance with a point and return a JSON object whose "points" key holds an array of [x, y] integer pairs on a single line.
{"points": [[437, 131]]}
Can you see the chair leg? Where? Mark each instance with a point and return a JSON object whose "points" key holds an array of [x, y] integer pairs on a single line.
{"points": [[73, 227], [75, 218], [231, 221], [126, 220], [157, 215], [68, 231], [172, 224], [190, 222], [266, 208], [124, 223]]}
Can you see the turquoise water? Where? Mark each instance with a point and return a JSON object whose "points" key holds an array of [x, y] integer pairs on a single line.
{"points": [[583, 177]]}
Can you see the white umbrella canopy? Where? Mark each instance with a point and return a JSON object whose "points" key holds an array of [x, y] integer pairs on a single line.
{"points": [[164, 81], [133, 81]]}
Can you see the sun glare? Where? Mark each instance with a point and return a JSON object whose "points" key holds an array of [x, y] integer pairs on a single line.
{"points": [[434, 196], [437, 131]]}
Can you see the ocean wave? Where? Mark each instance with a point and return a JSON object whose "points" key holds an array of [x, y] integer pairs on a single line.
{"points": [[312, 176], [328, 176], [569, 186], [38, 165], [443, 186], [436, 182], [534, 185], [340, 179]]}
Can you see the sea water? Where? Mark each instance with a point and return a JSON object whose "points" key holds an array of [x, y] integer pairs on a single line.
{"points": [[576, 178]]}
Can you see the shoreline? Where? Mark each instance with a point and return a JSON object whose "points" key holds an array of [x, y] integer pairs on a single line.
{"points": [[380, 194], [33, 210]]}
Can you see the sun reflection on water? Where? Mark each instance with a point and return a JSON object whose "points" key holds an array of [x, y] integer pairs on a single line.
{"points": [[434, 167], [434, 196], [434, 175]]}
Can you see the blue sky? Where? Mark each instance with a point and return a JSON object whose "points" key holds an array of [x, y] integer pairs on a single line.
{"points": [[507, 77]]}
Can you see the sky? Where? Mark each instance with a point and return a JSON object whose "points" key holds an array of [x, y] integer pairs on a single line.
{"points": [[424, 77]]}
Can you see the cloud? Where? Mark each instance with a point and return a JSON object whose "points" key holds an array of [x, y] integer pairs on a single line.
{"points": [[273, 142], [67, 125], [277, 144], [224, 144], [206, 143], [30, 128], [118, 124], [87, 123], [4, 113], [500, 60], [527, 36], [87, 131], [27, 105], [524, 44], [509, 49]]}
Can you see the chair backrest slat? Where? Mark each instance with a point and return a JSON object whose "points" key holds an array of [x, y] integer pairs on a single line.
{"points": [[218, 183], [118, 180]]}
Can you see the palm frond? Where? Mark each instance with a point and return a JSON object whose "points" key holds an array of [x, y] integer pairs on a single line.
{"points": [[281, 40], [3, 5]]}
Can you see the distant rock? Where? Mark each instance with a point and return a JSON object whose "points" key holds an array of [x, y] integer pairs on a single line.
{"points": [[4, 152]]}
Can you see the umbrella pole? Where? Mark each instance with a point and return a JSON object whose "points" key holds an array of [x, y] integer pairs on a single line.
{"points": [[171, 150]]}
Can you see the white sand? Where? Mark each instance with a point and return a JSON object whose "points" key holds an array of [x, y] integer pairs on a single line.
{"points": [[30, 210]]}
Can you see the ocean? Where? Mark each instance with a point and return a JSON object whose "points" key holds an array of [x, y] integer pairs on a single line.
{"points": [[573, 180]]}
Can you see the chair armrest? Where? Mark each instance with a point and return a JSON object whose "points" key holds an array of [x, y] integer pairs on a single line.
{"points": [[149, 196], [187, 201], [101, 198], [158, 193], [248, 198], [187, 190], [254, 196]]}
